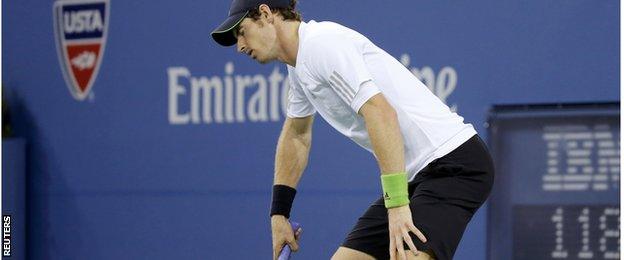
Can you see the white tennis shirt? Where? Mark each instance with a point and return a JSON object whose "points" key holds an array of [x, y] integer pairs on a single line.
{"points": [[338, 70]]}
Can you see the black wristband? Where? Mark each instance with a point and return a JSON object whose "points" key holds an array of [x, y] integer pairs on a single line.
{"points": [[283, 197]]}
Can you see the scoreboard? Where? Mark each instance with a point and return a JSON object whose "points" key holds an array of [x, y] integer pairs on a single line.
{"points": [[557, 188]]}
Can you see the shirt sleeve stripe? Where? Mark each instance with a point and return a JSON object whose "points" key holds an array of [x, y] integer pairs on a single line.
{"points": [[334, 83], [341, 87], [349, 89]]}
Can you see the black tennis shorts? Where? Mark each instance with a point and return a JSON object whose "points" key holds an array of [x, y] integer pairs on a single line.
{"points": [[443, 198]]}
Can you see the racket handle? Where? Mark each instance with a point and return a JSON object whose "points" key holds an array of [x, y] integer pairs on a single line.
{"points": [[285, 253]]}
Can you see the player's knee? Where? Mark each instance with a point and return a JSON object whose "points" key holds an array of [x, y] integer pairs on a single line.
{"points": [[422, 255], [344, 253]]}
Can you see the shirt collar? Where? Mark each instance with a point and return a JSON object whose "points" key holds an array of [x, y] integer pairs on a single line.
{"points": [[303, 27]]}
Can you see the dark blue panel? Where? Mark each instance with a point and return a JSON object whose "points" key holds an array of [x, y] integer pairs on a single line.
{"points": [[14, 198], [552, 162]]}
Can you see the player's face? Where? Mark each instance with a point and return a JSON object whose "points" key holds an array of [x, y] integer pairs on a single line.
{"points": [[256, 39]]}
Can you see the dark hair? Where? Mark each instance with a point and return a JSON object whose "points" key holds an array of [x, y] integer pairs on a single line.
{"points": [[288, 13]]}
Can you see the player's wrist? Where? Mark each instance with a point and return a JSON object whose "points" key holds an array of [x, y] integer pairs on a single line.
{"points": [[278, 218], [399, 209], [394, 187], [282, 200]]}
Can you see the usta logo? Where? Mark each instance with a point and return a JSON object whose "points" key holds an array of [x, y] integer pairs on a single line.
{"points": [[83, 21], [80, 28]]}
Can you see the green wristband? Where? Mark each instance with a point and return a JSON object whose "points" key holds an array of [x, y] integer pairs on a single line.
{"points": [[395, 189]]}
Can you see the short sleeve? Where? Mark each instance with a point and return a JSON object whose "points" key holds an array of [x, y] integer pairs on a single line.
{"points": [[298, 103], [339, 62]]}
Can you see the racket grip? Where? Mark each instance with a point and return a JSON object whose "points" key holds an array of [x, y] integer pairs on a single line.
{"points": [[285, 253]]}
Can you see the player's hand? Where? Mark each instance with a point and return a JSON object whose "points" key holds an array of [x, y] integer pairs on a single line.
{"points": [[283, 234], [400, 224]]}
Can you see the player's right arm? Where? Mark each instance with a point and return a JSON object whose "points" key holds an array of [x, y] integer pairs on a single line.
{"points": [[293, 148], [291, 159]]}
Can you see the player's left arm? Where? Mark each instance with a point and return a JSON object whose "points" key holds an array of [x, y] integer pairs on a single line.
{"points": [[384, 132]]}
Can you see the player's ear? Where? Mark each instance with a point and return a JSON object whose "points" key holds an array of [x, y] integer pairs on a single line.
{"points": [[265, 11]]}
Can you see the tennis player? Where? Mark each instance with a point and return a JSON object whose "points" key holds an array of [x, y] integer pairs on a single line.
{"points": [[435, 170]]}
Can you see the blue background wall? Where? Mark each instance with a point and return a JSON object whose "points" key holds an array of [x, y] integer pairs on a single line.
{"points": [[111, 177]]}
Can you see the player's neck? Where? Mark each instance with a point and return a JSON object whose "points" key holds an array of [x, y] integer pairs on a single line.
{"points": [[288, 40]]}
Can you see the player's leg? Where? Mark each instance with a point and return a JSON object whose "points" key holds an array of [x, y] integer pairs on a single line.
{"points": [[422, 255], [443, 198], [369, 237], [345, 253], [447, 193]]}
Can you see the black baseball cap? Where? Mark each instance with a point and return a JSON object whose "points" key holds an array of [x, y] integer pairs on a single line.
{"points": [[239, 9]]}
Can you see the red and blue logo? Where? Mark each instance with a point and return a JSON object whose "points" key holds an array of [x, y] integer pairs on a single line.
{"points": [[80, 28]]}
